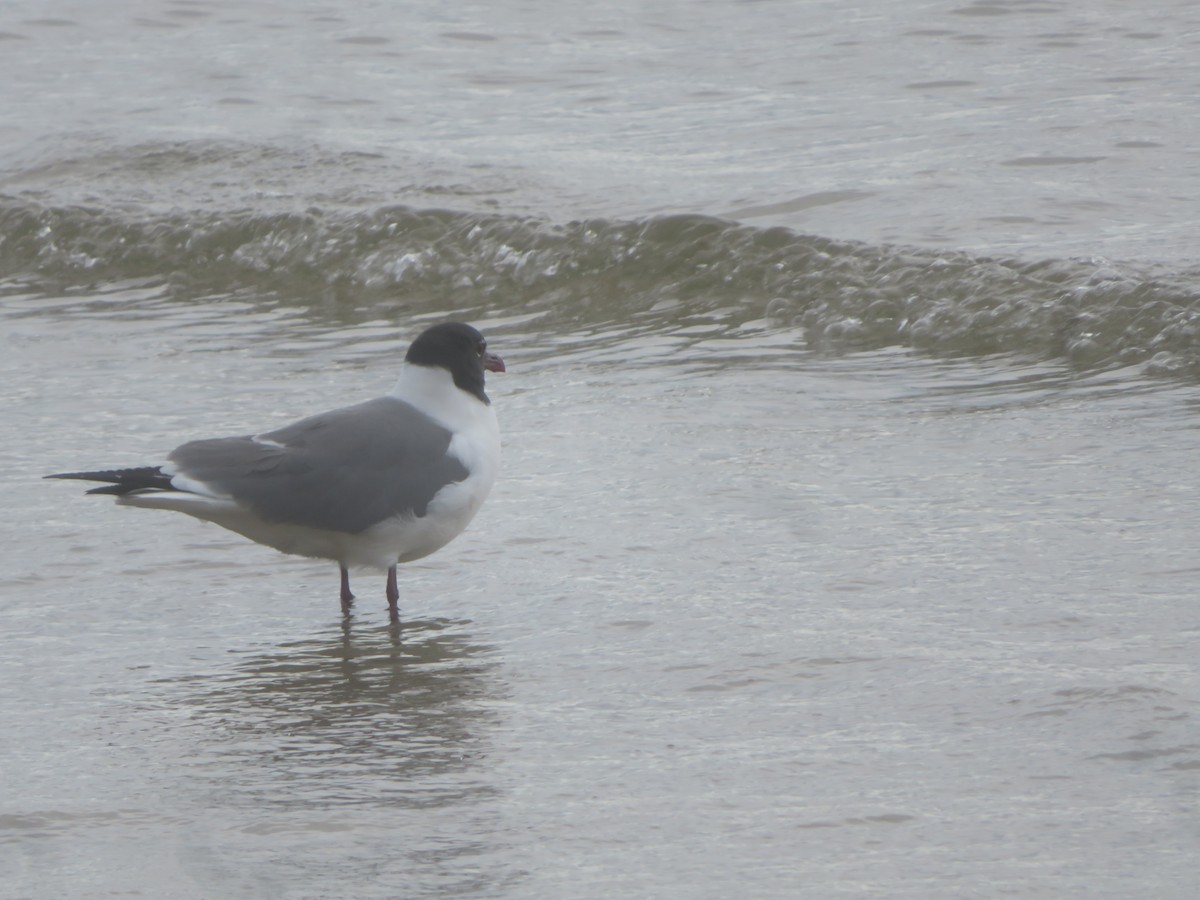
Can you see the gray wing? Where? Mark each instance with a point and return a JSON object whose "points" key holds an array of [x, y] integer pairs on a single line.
{"points": [[343, 470]]}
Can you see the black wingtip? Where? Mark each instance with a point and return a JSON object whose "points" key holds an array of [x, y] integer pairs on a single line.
{"points": [[122, 481], [114, 489]]}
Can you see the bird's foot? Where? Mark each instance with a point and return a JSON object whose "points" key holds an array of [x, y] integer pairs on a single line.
{"points": [[393, 597], [347, 597]]}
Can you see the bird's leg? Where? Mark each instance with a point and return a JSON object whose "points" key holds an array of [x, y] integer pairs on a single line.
{"points": [[393, 596], [347, 597]]}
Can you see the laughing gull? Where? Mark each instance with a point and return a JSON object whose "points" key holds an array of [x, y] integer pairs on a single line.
{"points": [[380, 483]]}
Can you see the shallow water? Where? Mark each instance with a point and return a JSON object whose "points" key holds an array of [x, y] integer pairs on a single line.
{"points": [[869, 624], [851, 558]]}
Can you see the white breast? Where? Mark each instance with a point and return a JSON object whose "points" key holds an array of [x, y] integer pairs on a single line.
{"points": [[476, 444]]}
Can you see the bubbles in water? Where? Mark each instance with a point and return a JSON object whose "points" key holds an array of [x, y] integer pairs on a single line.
{"points": [[780, 311]]}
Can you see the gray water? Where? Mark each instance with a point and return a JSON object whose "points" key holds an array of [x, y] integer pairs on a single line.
{"points": [[845, 539]]}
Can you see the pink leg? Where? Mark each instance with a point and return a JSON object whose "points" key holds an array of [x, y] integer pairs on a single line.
{"points": [[347, 597], [393, 596]]}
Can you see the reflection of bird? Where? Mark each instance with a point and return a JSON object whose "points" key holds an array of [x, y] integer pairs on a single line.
{"points": [[380, 483]]}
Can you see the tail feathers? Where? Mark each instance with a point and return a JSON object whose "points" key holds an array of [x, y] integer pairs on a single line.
{"points": [[123, 481]]}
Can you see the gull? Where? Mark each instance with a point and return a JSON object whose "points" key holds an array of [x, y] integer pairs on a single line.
{"points": [[372, 485]]}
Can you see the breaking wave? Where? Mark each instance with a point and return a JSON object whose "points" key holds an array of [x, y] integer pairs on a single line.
{"points": [[837, 296]]}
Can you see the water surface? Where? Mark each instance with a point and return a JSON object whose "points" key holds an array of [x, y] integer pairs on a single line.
{"points": [[845, 539]]}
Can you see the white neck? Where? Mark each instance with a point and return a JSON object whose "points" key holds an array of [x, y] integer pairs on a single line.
{"points": [[431, 389]]}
